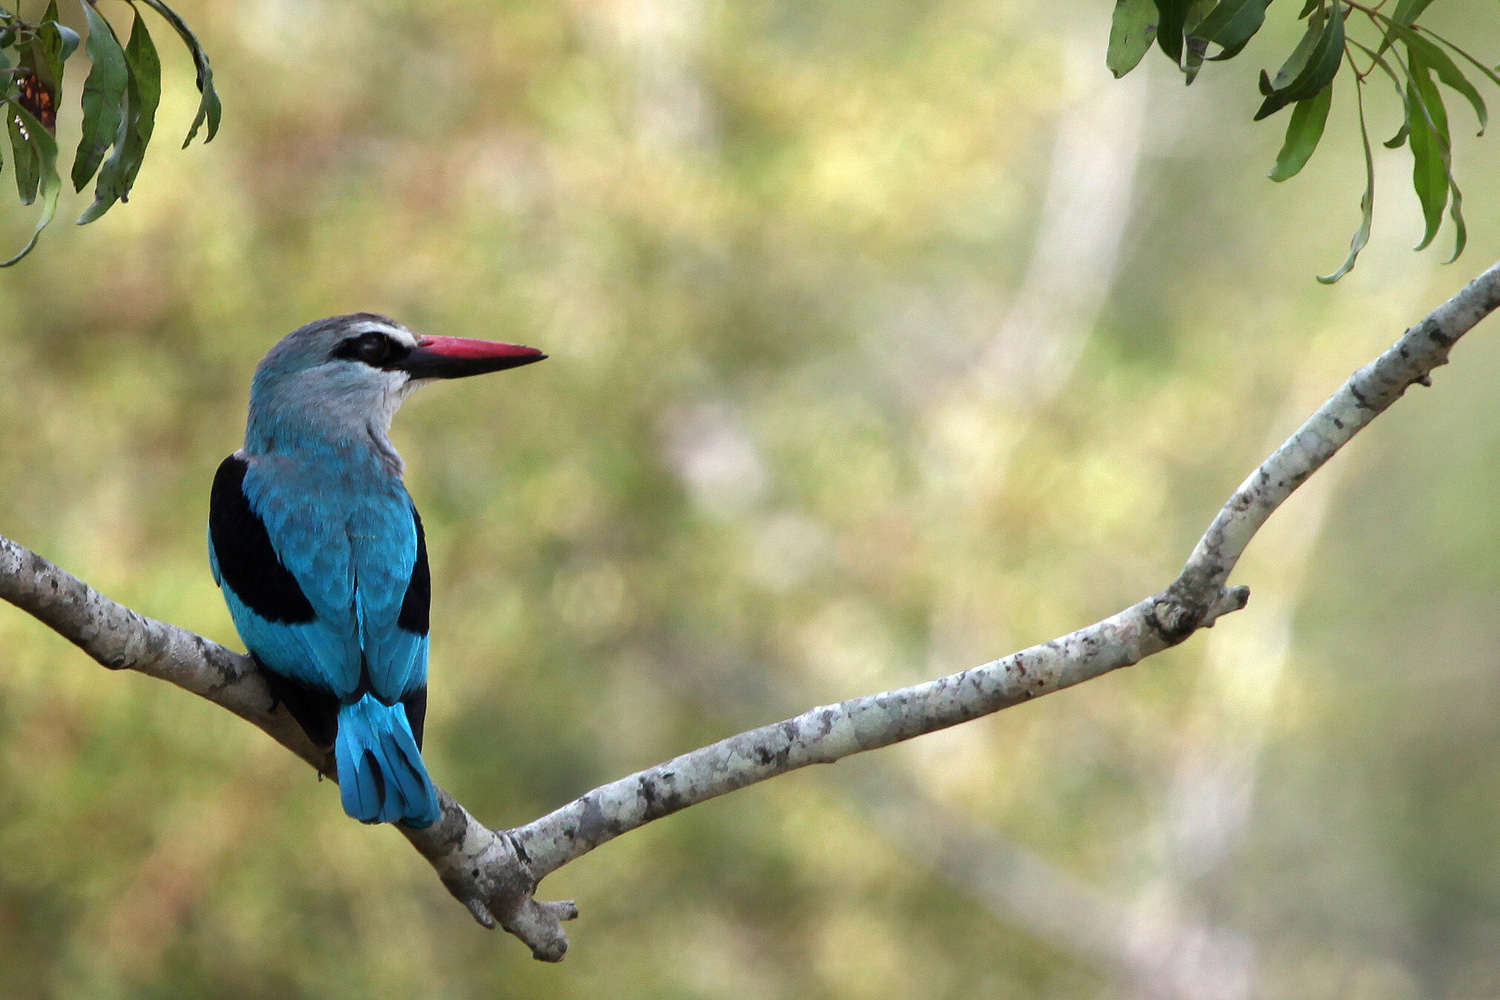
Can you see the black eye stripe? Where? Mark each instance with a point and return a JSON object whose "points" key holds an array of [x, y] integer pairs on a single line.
{"points": [[374, 349]]}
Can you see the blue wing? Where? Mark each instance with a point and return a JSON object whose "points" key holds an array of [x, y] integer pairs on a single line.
{"points": [[392, 590], [327, 591]]}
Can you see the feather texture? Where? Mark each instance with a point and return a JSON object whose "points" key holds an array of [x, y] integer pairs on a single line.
{"points": [[320, 553]]}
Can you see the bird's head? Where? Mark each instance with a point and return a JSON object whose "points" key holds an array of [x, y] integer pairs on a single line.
{"points": [[354, 372]]}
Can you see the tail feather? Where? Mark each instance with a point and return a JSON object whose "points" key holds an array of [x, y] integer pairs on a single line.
{"points": [[381, 775]]}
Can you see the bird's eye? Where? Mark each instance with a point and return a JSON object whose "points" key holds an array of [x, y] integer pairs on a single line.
{"points": [[373, 348]]}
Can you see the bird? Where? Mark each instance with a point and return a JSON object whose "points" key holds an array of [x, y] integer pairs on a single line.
{"points": [[319, 551]]}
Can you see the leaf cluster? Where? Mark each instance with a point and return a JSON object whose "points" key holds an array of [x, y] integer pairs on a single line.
{"points": [[120, 98], [1414, 58]]}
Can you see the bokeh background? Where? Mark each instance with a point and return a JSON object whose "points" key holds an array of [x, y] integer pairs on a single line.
{"points": [[887, 338]]}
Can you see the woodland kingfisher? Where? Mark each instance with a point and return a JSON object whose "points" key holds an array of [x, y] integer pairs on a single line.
{"points": [[319, 551]]}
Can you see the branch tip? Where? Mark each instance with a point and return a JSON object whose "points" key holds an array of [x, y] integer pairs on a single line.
{"points": [[1231, 599], [539, 924], [481, 913]]}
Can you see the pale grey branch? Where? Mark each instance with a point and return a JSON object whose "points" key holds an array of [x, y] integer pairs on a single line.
{"points": [[495, 873]]}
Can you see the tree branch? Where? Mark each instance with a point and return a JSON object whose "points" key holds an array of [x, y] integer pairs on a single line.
{"points": [[495, 873]]}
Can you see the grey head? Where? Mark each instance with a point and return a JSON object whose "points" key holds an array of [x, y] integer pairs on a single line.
{"points": [[341, 379]]}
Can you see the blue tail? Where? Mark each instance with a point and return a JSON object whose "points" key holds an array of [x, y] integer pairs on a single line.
{"points": [[381, 775]]}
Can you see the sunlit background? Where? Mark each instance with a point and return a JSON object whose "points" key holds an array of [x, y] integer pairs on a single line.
{"points": [[886, 338]]}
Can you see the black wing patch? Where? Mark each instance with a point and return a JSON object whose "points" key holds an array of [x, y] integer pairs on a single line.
{"points": [[316, 710], [418, 600], [415, 703], [248, 563]]}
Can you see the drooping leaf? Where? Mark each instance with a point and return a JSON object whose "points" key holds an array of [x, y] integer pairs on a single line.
{"points": [[1406, 14], [1429, 140], [1430, 101], [1193, 51], [1395, 141], [1194, 45], [1232, 24], [1456, 213], [1444, 66], [1130, 34], [1325, 61], [209, 108], [63, 37], [1171, 18], [50, 48], [1228, 53], [39, 76], [28, 166], [142, 92], [1491, 74], [1407, 11], [44, 148], [1366, 203], [1303, 131], [1295, 63], [103, 97], [1453, 77], [1322, 63]]}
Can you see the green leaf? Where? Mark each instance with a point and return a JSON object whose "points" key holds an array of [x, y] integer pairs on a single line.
{"points": [[1455, 212], [44, 148], [1232, 23], [1366, 203], [142, 92], [1228, 53], [1453, 77], [103, 97], [28, 166], [1193, 50], [1130, 34], [1171, 18], [1446, 69], [1407, 11], [1194, 46], [53, 43], [1302, 133], [1429, 140], [1429, 100], [209, 108], [1395, 141], [1318, 69], [1297, 61], [1493, 77], [1399, 139]]}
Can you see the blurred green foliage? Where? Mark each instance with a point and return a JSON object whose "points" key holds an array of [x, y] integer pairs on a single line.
{"points": [[795, 442]]}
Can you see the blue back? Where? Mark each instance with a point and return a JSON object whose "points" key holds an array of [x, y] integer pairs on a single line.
{"points": [[346, 532], [320, 556]]}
